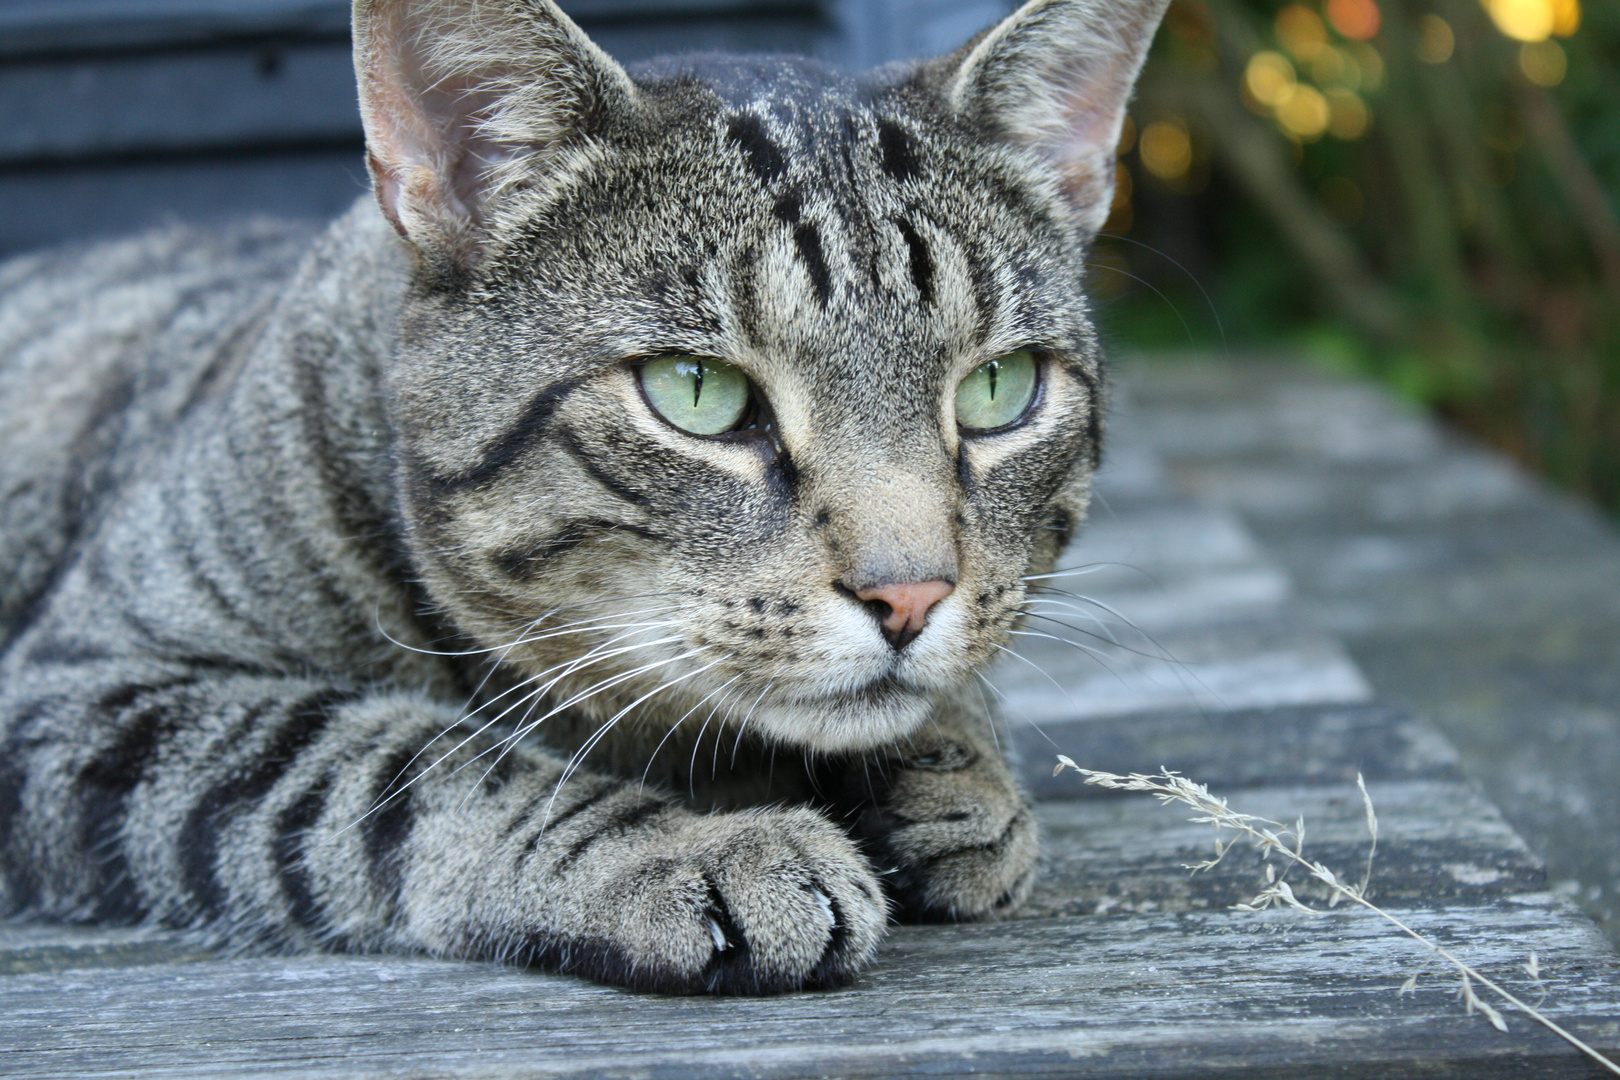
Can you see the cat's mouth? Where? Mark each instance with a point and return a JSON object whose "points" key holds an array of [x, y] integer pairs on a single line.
{"points": [[883, 710]]}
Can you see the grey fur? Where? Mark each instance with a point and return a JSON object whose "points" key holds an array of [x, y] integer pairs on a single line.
{"points": [[300, 554]]}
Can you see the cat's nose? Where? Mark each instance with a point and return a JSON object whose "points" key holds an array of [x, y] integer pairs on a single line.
{"points": [[902, 609]]}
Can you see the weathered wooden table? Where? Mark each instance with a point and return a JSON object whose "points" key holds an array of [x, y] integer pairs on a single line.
{"points": [[1123, 965]]}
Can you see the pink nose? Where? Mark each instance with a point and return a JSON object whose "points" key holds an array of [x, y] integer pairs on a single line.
{"points": [[903, 609]]}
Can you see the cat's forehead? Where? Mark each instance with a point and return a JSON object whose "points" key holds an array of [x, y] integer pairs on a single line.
{"points": [[792, 218], [794, 90]]}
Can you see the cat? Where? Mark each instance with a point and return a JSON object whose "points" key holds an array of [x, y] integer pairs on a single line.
{"points": [[582, 553]]}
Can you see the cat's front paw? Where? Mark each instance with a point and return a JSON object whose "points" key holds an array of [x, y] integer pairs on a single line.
{"points": [[758, 902], [951, 830]]}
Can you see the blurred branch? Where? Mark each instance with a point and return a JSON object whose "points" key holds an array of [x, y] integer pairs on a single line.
{"points": [[1574, 175], [1258, 159], [1430, 211]]}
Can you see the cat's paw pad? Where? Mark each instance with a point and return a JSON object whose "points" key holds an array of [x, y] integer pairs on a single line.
{"points": [[749, 903], [955, 833]]}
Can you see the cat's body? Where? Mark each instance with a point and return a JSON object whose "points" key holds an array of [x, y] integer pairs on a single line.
{"points": [[293, 542]]}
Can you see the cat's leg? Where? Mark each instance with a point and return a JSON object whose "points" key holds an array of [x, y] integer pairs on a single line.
{"points": [[287, 814], [945, 821]]}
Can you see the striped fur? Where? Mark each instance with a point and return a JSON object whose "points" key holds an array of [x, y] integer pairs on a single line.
{"points": [[354, 598]]}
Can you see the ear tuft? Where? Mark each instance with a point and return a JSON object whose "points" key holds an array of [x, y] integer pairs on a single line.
{"points": [[1056, 76], [464, 100]]}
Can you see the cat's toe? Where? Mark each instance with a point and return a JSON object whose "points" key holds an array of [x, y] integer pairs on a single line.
{"points": [[762, 902], [955, 835], [794, 905]]}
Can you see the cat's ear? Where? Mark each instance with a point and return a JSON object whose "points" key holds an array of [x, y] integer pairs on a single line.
{"points": [[463, 100], [1056, 76]]}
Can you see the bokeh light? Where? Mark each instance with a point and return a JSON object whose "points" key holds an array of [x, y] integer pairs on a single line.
{"points": [[1524, 20], [1435, 42], [1543, 62], [1306, 113], [1301, 31], [1269, 78], [1566, 17], [1166, 149], [1333, 66], [1357, 20], [1347, 114], [1371, 64]]}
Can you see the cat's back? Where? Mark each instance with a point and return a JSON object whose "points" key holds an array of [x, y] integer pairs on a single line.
{"points": [[102, 349]]}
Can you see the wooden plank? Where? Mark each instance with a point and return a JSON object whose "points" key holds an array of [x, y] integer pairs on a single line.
{"points": [[1440, 845], [57, 26], [1186, 995], [1238, 749], [1255, 664], [32, 948], [47, 205], [191, 101]]}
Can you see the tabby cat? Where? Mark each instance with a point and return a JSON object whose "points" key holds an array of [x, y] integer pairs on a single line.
{"points": [[582, 554]]}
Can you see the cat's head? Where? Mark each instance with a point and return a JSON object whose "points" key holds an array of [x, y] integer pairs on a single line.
{"points": [[737, 389]]}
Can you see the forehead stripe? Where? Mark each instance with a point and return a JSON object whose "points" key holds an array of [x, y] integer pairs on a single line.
{"points": [[808, 239], [900, 158], [922, 260], [764, 158]]}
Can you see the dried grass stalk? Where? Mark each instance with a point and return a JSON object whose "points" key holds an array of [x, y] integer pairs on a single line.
{"points": [[1288, 843]]}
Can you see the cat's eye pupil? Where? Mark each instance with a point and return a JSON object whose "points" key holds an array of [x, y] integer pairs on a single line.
{"points": [[689, 368], [698, 394], [998, 392]]}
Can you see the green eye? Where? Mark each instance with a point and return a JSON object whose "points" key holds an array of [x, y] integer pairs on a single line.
{"points": [[698, 394], [997, 392]]}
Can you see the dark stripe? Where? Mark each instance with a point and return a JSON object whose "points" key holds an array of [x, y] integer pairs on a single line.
{"points": [[922, 261], [782, 476], [808, 238], [1094, 416], [525, 813], [900, 158], [223, 604], [385, 830], [1061, 522], [595, 796], [65, 652], [617, 823], [199, 837], [789, 208], [20, 883], [104, 786], [288, 851], [763, 157], [571, 445], [523, 563], [504, 450], [984, 291]]}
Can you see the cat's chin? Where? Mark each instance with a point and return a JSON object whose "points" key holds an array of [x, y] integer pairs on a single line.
{"points": [[877, 715]]}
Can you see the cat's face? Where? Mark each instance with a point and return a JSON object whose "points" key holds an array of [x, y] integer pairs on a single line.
{"points": [[839, 261]]}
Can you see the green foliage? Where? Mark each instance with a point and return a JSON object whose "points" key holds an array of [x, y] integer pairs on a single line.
{"points": [[1419, 197]]}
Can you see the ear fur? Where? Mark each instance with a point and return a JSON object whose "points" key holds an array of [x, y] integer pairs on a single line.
{"points": [[1056, 76], [463, 100]]}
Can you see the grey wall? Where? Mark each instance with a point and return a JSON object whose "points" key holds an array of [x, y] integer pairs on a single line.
{"points": [[119, 114]]}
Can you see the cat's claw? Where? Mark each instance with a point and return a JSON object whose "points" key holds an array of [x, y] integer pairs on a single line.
{"points": [[826, 907]]}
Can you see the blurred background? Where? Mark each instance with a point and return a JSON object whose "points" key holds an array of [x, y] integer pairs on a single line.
{"points": [[1420, 190]]}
